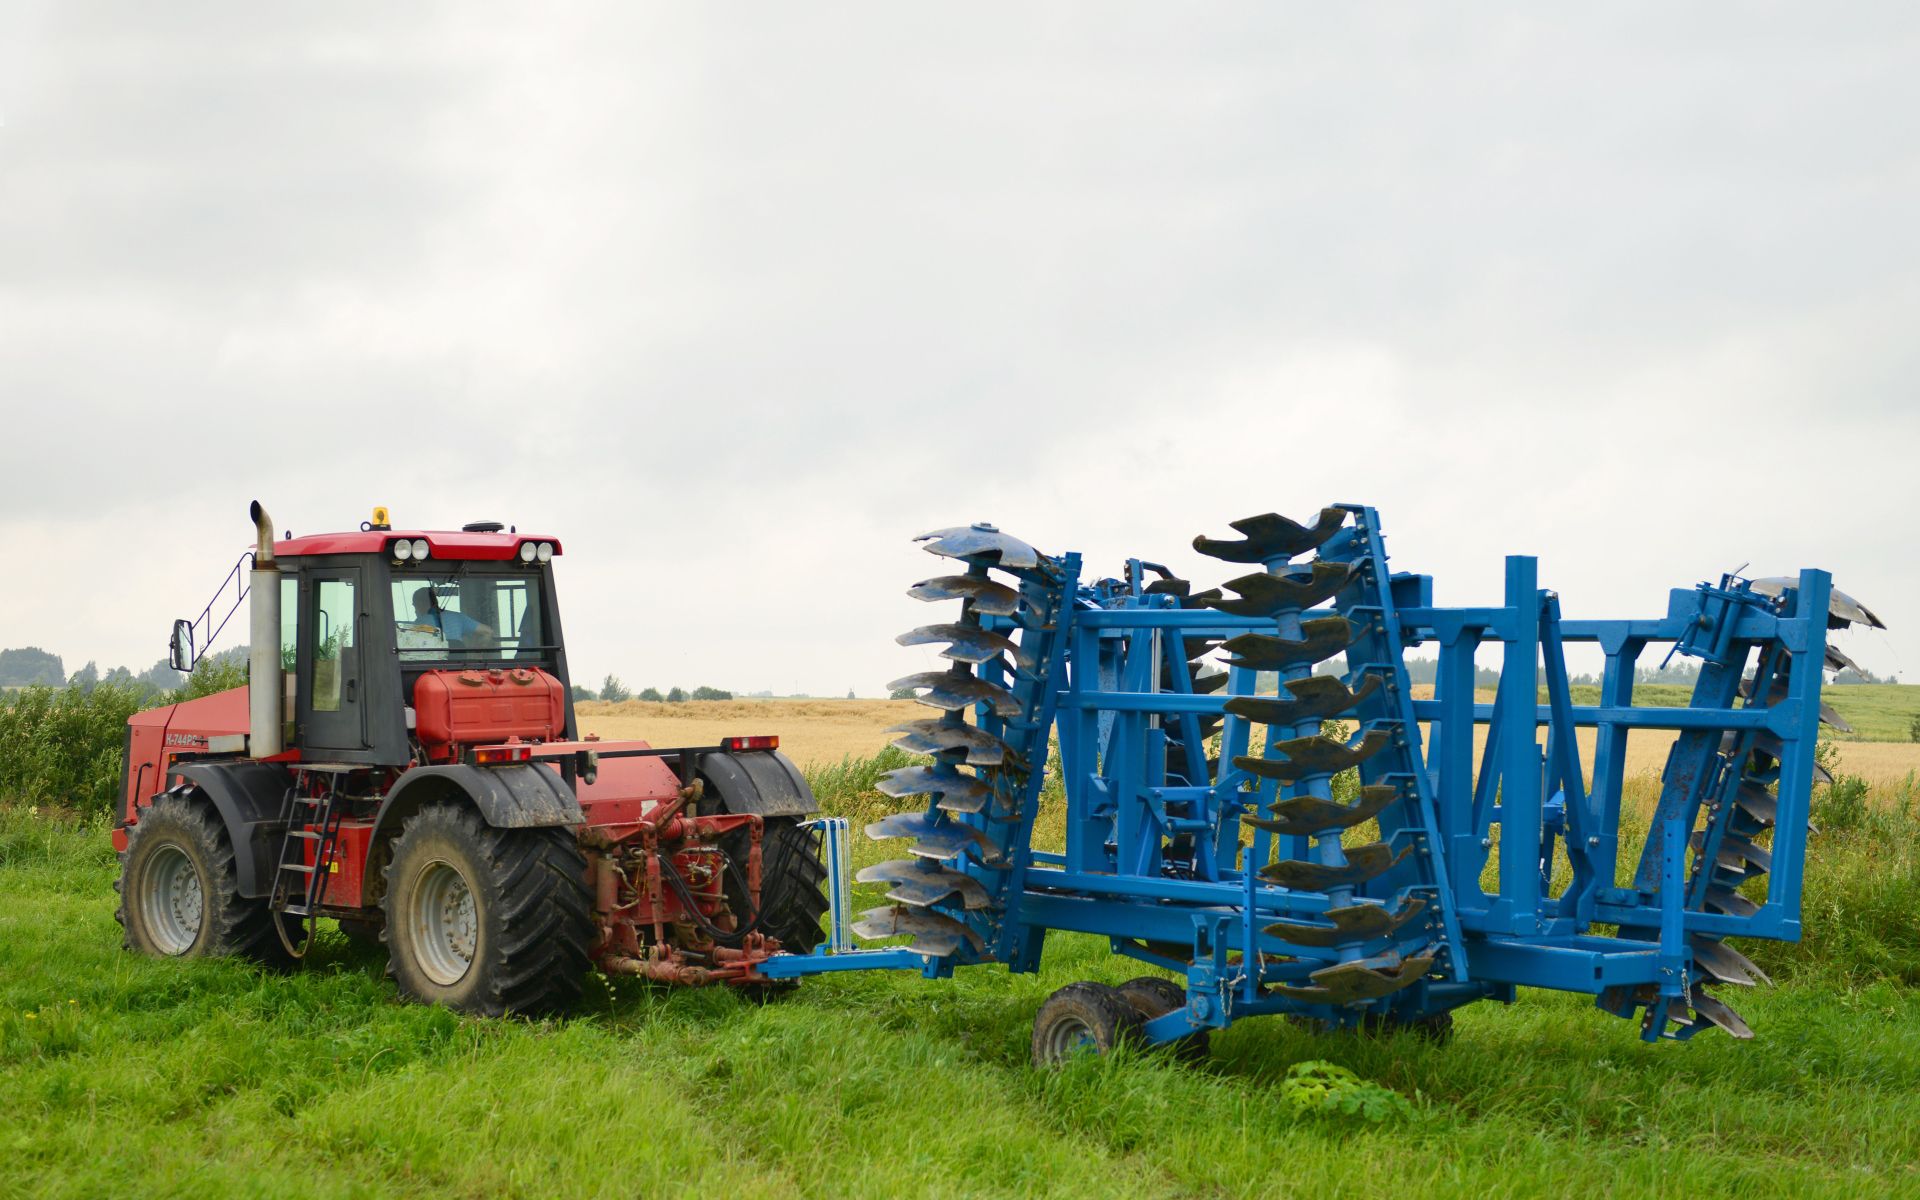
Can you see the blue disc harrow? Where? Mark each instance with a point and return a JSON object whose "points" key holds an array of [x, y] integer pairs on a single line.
{"points": [[1258, 801]]}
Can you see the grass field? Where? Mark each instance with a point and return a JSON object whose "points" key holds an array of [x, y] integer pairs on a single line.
{"points": [[129, 1076]]}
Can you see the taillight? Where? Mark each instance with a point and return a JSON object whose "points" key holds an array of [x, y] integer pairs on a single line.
{"points": [[497, 756], [751, 743]]}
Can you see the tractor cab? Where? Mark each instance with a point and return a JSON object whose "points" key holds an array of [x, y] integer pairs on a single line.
{"points": [[401, 645]]}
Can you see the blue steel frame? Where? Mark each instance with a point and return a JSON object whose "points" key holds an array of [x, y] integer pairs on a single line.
{"points": [[1516, 804]]}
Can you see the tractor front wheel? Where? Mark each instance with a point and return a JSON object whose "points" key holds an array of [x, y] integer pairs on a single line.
{"points": [[179, 889], [484, 920]]}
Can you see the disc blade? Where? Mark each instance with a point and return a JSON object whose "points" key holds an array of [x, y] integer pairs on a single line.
{"points": [[1758, 803], [1726, 964], [1730, 902], [933, 736], [1324, 638], [1351, 923], [1313, 756], [955, 690], [940, 839], [1840, 606], [1350, 983], [935, 935], [1313, 699], [1269, 595], [969, 643], [1838, 661], [916, 881], [1363, 863], [952, 788], [1719, 1014], [980, 541], [1304, 816], [986, 596], [1270, 536]]}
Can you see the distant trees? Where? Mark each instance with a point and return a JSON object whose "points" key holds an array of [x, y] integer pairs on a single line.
{"points": [[652, 694], [581, 691], [29, 665], [614, 690], [703, 692], [675, 696]]}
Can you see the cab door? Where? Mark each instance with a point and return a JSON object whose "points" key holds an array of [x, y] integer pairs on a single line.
{"points": [[332, 672]]}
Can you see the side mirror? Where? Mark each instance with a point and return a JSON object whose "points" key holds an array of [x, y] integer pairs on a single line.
{"points": [[180, 646]]}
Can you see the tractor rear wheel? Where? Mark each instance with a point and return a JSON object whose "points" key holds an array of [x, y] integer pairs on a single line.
{"points": [[792, 883], [179, 890], [485, 920]]}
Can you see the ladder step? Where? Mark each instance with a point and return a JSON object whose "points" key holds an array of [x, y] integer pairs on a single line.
{"points": [[297, 910], [301, 867], [305, 834]]}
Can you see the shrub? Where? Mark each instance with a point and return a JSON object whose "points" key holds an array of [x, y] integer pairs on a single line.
{"points": [[675, 695], [65, 747], [1913, 730], [652, 694], [703, 692], [1324, 1089], [614, 690]]}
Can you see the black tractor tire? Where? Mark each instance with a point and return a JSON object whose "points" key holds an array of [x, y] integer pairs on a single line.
{"points": [[179, 889], [793, 882], [1155, 996], [487, 921], [1083, 1017]]}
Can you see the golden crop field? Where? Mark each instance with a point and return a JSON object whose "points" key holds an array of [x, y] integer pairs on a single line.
{"points": [[817, 731]]}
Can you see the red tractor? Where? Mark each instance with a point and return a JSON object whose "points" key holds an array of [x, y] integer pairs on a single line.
{"points": [[405, 760]]}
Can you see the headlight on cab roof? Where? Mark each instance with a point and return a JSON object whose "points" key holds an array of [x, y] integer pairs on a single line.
{"points": [[527, 551], [419, 547], [402, 549], [546, 552]]}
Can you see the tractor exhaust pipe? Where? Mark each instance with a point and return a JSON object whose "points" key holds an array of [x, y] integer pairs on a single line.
{"points": [[265, 691]]}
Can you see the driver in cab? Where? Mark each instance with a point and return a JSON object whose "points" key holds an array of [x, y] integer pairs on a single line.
{"points": [[456, 627]]}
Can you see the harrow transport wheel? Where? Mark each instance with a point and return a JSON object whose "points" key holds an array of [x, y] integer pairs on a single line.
{"points": [[1082, 1016], [1155, 996], [179, 891], [487, 920], [793, 883]]}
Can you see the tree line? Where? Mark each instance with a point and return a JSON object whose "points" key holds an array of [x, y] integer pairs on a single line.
{"points": [[611, 689]]}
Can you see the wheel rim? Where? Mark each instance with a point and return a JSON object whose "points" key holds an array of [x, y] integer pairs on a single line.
{"points": [[1066, 1035], [174, 905], [445, 922]]}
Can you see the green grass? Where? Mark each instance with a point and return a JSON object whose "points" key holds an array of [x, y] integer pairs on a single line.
{"points": [[122, 1075]]}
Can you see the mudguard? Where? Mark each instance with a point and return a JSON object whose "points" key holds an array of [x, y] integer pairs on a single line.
{"points": [[764, 783], [523, 796], [250, 797]]}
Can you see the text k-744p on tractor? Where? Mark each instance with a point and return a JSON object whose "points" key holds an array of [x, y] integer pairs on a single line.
{"points": [[406, 760]]}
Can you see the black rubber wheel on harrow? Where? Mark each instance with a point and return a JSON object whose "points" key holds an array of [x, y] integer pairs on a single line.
{"points": [[484, 920], [179, 890], [793, 882], [1082, 1017], [1155, 996]]}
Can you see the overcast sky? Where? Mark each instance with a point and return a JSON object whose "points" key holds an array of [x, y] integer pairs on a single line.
{"points": [[736, 299]]}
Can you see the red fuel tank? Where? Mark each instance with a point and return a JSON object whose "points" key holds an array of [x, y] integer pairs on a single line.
{"points": [[483, 706]]}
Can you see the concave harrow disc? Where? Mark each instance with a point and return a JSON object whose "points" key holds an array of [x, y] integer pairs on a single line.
{"points": [[1304, 816], [969, 643], [1325, 637], [957, 792], [1313, 699], [1272, 536], [983, 542], [1313, 756], [958, 689], [1363, 863], [1362, 979], [936, 839], [986, 596], [937, 734], [917, 882], [1271, 595], [934, 935], [1351, 923]]}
